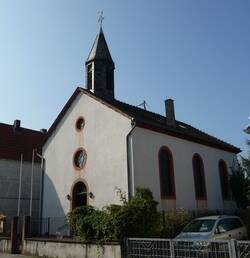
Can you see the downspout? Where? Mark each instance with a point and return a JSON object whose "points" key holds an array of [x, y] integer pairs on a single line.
{"points": [[130, 169], [42, 188], [41, 185]]}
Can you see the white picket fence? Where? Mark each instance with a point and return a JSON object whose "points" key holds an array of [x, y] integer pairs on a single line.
{"points": [[171, 248]]}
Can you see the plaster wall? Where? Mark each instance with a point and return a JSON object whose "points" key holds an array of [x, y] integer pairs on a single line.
{"points": [[55, 249], [5, 245], [104, 139], [145, 147], [9, 185]]}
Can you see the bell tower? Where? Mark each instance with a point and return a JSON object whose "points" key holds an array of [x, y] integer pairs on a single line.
{"points": [[100, 67]]}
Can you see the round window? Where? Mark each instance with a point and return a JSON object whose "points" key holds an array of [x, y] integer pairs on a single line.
{"points": [[80, 123], [80, 158]]}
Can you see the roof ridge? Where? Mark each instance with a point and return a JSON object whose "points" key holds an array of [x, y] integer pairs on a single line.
{"points": [[180, 123], [141, 109], [150, 120], [24, 128]]}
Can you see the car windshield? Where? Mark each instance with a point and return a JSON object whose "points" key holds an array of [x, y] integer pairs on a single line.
{"points": [[201, 225]]}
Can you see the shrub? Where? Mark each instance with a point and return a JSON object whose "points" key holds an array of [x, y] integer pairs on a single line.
{"points": [[81, 221], [245, 216], [138, 217], [173, 222], [135, 218]]}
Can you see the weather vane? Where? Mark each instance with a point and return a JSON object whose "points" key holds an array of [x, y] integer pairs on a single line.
{"points": [[100, 18], [144, 105]]}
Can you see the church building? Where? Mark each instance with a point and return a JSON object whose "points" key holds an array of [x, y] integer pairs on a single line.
{"points": [[98, 144]]}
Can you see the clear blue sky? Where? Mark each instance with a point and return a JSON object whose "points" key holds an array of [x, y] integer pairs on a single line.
{"points": [[196, 52]]}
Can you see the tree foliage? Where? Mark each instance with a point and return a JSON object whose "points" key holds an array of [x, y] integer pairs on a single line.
{"points": [[137, 217], [240, 182], [246, 162], [239, 185]]}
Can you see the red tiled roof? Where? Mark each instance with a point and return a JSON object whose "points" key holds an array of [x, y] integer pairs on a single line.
{"points": [[13, 143]]}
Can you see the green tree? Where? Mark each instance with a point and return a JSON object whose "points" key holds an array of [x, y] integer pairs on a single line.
{"points": [[246, 162], [240, 180], [240, 185]]}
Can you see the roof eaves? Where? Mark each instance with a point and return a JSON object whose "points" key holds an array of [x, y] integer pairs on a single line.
{"points": [[225, 147]]}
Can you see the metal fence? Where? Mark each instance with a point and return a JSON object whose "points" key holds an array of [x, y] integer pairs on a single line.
{"points": [[49, 227], [243, 249], [6, 226], [167, 248]]}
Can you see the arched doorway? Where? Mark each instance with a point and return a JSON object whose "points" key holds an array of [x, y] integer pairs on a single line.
{"points": [[79, 195]]}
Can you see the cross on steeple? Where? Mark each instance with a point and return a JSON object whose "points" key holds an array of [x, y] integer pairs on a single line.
{"points": [[100, 18], [100, 66]]}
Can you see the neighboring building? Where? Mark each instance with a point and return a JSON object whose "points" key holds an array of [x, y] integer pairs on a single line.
{"points": [[98, 144], [14, 141]]}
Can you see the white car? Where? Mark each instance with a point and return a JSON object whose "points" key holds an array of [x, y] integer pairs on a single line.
{"points": [[214, 228]]}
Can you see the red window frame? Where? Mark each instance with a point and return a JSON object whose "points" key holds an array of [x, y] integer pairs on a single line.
{"points": [[172, 194], [202, 178], [224, 182]]}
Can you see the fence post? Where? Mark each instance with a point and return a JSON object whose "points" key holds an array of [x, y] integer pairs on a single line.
{"points": [[26, 229], [233, 249], [48, 226], [4, 226], [171, 245], [14, 236], [125, 248]]}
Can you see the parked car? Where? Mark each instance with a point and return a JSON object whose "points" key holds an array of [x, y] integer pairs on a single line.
{"points": [[214, 228]]}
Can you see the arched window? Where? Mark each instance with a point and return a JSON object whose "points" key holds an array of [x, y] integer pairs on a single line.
{"points": [[89, 77], [79, 195], [167, 183], [224, 180], [199, 178]]}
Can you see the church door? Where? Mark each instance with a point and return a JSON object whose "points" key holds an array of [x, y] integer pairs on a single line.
{"points": [[79, 195]]}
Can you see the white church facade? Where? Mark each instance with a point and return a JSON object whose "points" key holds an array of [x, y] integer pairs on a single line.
{"points": [[98, 144]]}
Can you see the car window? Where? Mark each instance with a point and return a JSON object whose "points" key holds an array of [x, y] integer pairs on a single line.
{"points": [[223, 226], [228, 224], [235, 223], [205, 225]]}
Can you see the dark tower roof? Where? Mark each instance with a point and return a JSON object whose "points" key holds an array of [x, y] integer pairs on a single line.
{"points": [[99, 50]]}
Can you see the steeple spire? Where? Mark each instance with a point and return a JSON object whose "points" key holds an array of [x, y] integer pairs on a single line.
{"points": [[100, 67], [99, 50]]}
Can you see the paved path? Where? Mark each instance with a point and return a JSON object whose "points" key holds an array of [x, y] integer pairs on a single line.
{"points": [[3, 255]]}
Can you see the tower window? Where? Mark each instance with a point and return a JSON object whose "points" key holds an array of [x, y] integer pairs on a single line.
{"points": [[224, 180], [199, 177], [167, 183], [89, 77]]}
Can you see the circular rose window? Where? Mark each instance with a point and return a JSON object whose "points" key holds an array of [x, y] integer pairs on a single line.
{"points": [[80, 123], [80, 158]]}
